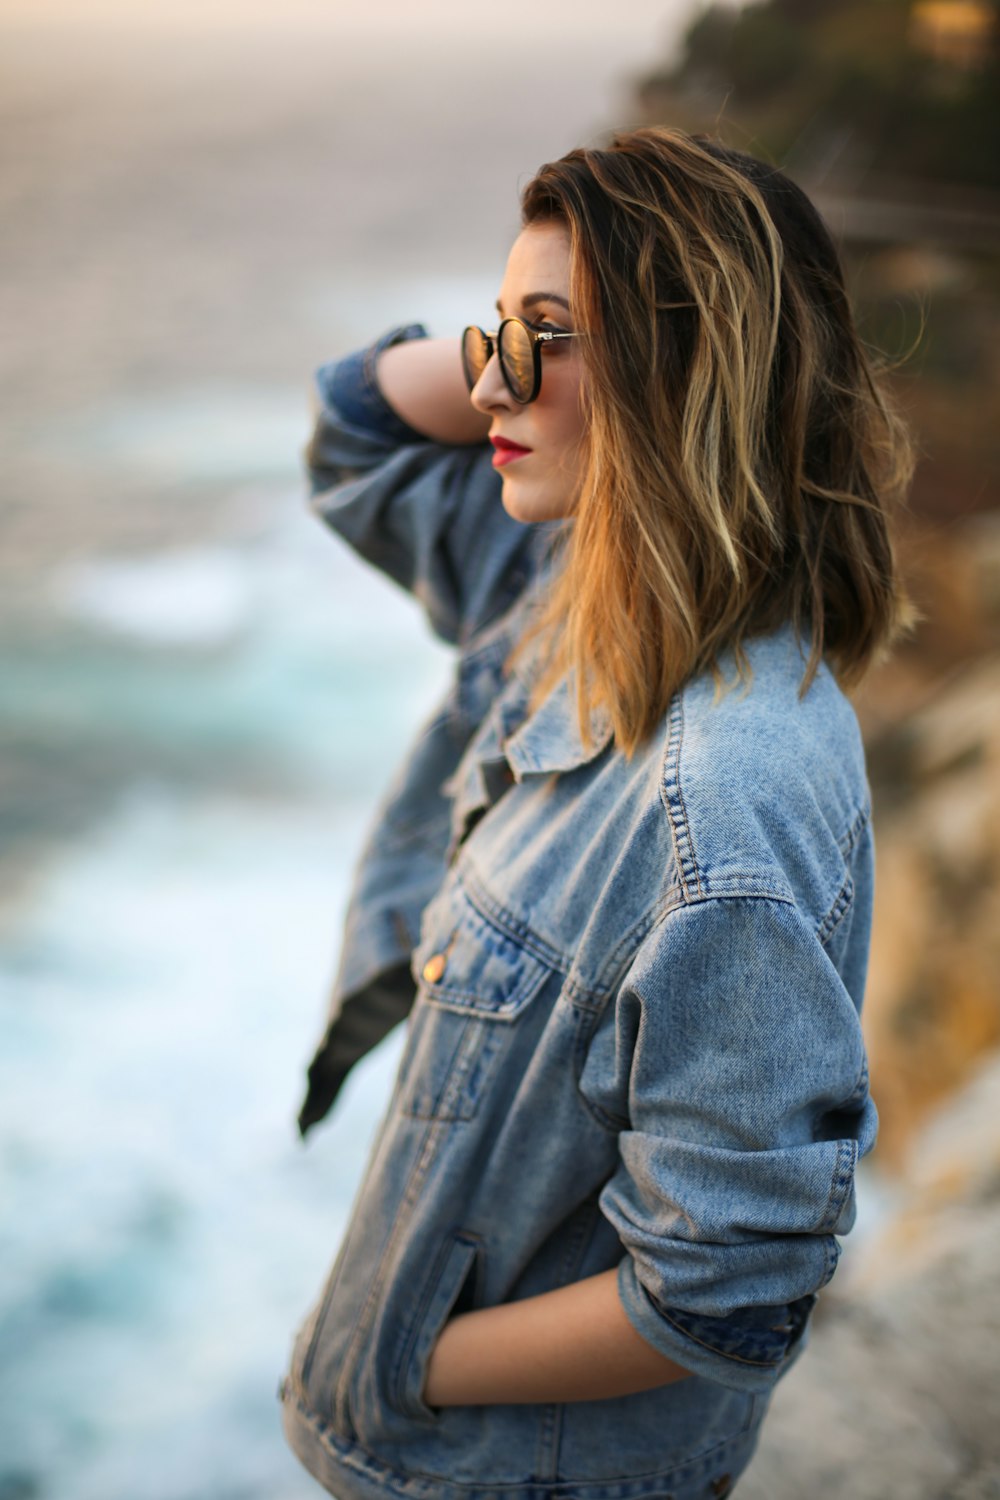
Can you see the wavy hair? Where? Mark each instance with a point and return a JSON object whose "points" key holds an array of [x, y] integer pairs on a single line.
{"points": [[741, 454]]}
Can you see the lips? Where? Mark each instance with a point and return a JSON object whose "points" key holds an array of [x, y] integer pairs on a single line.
{"points": [[506, 451]]}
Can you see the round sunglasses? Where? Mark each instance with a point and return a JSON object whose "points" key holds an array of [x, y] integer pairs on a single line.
{"points": [[519, 349]]}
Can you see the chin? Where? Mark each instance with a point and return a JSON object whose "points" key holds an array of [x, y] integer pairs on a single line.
{"points": [[522, 505]]}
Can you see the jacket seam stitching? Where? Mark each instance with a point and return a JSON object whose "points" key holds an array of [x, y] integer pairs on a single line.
{"points": [[852, 834], [842, 903], [498, 916], [424, 1158], [843, 1173], [711, 897], [617, 964], [671, 792]]}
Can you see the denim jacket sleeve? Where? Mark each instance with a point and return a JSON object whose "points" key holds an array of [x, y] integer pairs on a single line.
{"points": [[427, 514], [749, 1109]]}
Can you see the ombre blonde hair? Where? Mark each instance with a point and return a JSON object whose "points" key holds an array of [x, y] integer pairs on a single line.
{"points": [[741, 454]]}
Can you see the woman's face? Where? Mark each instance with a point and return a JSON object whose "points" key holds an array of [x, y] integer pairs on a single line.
{"points": [[542, 483]]}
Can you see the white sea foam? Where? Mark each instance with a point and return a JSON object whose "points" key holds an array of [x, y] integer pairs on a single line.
{"points": [[164, 1229], [175, 597], [282, 573]]}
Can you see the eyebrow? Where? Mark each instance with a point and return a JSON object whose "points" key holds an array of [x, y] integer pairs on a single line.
{"points": [[534, 297]]}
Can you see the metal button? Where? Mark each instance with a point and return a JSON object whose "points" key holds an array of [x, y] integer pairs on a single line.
{"points": [[434, 968]]}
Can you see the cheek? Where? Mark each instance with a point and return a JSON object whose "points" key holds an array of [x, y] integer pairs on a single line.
{"points": [[566, 424], [573, 443]]}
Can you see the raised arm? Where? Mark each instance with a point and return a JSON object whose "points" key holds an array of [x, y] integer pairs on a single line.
{"points": [[420, 502], [422, 381]]}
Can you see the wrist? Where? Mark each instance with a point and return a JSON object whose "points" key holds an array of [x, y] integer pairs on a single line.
{"points": [[351, 385]]}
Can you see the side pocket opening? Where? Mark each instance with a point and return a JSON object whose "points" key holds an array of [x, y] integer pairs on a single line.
{"points": [[454, 1285]]}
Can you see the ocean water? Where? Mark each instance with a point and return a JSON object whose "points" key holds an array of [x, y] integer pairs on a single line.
{"points": [[162, 1226]]}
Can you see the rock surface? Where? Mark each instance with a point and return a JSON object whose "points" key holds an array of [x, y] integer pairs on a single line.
{"points": [[931, 722]]}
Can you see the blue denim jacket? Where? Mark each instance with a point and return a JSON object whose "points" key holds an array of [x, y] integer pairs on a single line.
{"points": [[633, 1034]]}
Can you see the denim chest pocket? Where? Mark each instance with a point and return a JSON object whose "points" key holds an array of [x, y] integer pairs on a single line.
{"points": [[475, 983]]}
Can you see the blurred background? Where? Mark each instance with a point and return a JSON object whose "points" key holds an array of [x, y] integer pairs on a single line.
{"points": [[203, 695]]}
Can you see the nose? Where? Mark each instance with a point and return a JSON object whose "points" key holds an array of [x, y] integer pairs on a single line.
{"points": [[490, 391]]}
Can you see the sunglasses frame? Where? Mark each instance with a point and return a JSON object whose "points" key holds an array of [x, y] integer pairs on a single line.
{"points": [[537, 336]]}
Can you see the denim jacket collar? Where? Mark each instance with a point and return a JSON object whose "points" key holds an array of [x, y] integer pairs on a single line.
{"points": [[549, 740], [514, 743]]}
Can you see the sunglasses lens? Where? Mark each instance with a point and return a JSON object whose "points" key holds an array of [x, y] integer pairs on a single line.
{"points": [[475, 354], [517, 359]]}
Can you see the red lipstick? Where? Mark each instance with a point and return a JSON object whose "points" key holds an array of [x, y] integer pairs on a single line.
{"points": [[506, 451]]}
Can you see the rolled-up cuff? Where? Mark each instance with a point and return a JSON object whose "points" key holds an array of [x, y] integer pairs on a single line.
{"points": [[748, 1350], [350, 385]]}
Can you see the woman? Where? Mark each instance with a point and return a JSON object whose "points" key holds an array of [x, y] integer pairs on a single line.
{"points": [[631, 857]]}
